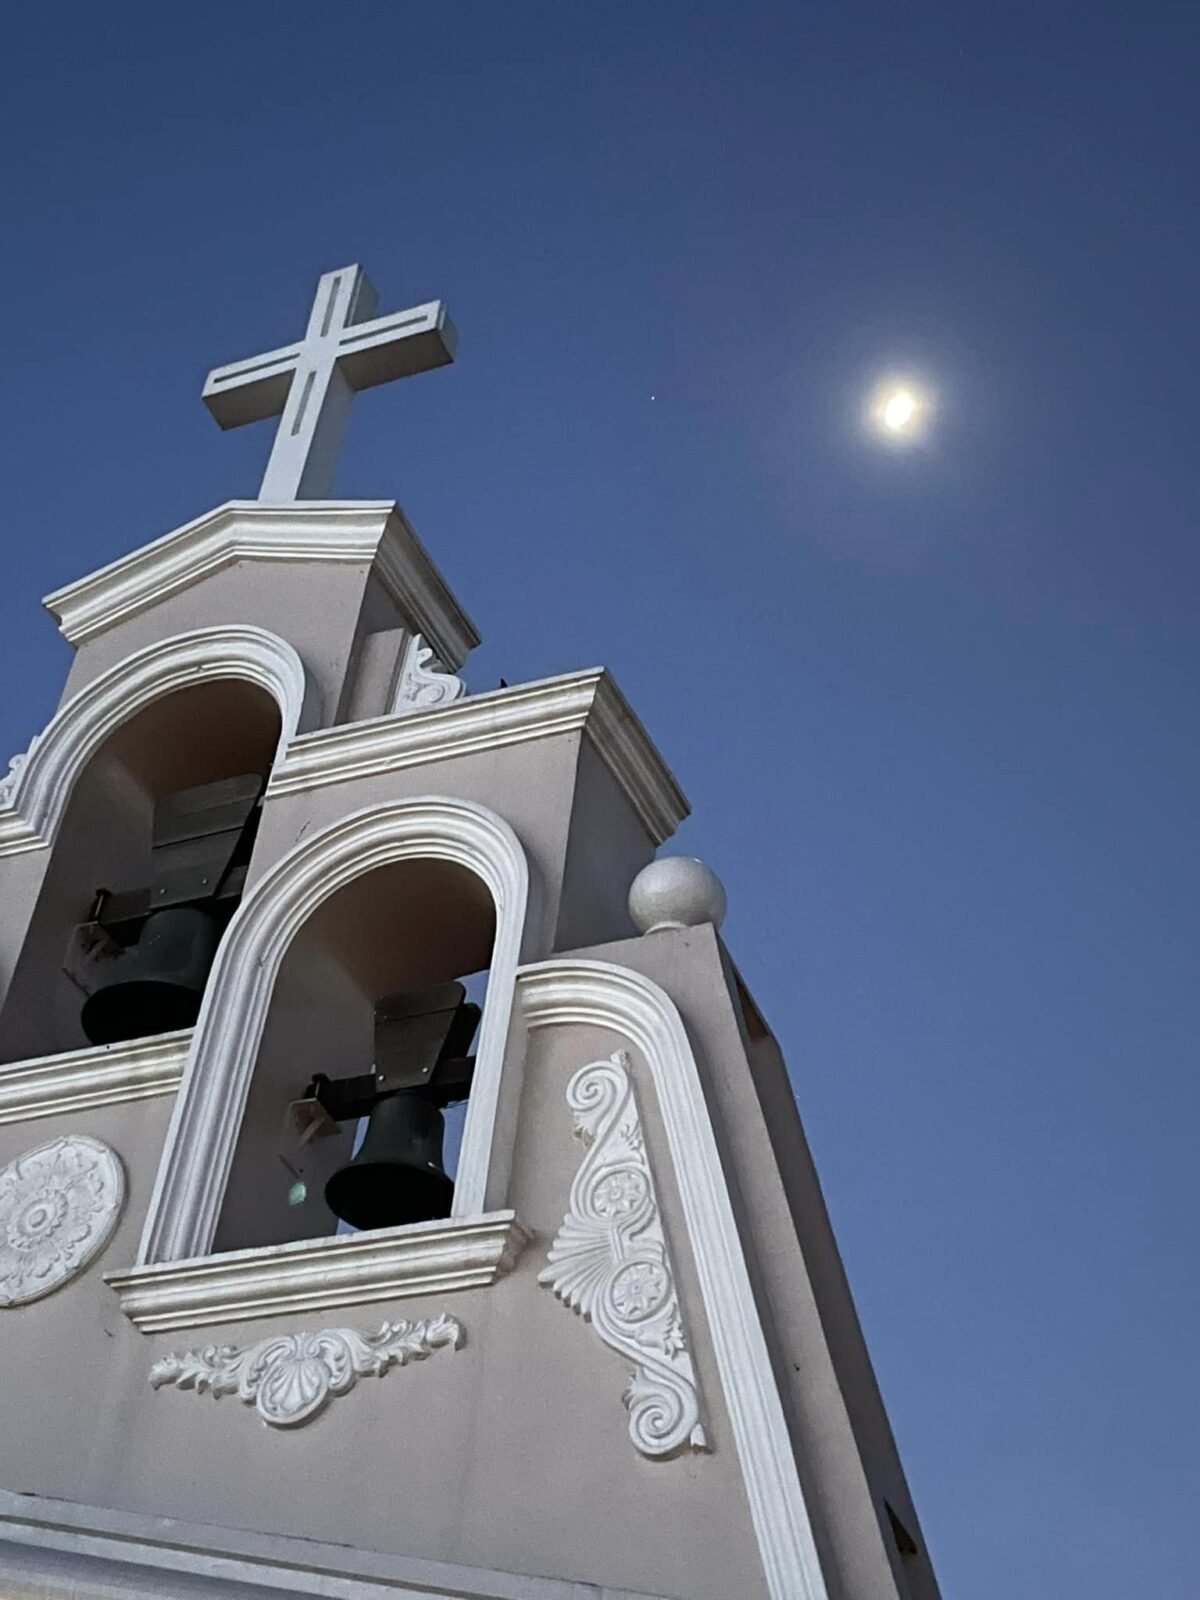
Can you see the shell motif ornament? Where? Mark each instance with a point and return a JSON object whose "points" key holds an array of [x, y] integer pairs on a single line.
{"points": [[609, 1261], [290, 1377]]}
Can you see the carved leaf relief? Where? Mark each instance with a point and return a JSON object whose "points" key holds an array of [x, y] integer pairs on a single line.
{"points": [[290, 1377], [609, 1261], [12, 778], [423, 683]]}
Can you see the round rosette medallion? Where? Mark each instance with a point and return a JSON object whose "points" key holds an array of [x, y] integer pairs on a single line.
{"points": [[58, 1207], [639, 1289]]}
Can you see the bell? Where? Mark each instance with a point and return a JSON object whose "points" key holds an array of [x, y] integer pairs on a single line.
{"points": [[397, 1175], [154, 985]]}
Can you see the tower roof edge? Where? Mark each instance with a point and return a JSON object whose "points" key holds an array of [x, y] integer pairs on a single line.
{"points": [[374, 531]]}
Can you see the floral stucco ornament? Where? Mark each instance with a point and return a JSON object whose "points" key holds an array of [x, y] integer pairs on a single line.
{"points": [[58, 1207], [289, 1377]]}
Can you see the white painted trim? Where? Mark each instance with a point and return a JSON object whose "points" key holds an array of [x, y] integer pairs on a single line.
{"points": [[355, 531], [66, 1551], [597, 994], [101, 1075], [586, 701], [349, 1269], [190, 1185], [41, 787]]}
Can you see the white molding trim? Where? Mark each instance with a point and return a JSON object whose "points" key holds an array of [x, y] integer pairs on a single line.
{"points": [[586, 701], [65, 1551], [599, 995], [347, 1269], [101, 1075], [40, 787], [289, 1378], [356, 531], [610, 1262], [192, 1174]]}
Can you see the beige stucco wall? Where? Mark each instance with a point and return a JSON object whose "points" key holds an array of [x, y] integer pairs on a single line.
{"points": [[498, 1455], [844, 1447], [314, 606], [606, 848], [512, 1453], [554, 793], [582, 839]]}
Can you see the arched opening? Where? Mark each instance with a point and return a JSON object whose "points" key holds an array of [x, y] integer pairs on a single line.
{"points": [[126, 845], [392, 935]]}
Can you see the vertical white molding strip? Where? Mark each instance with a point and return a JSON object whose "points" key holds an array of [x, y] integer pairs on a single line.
{"points": [[194, 1169], [596, 994]]}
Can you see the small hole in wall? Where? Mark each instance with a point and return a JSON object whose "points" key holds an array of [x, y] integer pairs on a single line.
{"points": [[905, 1542]]}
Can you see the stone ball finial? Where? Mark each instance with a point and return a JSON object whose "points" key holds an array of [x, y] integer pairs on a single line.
{"points": [[676, 892]]}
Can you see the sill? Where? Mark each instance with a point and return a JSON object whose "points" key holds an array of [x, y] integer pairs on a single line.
{"points": [[311, 1274], [99, 1075]]}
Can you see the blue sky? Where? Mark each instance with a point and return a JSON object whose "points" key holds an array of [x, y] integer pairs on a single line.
{"points": [[935, 711]]}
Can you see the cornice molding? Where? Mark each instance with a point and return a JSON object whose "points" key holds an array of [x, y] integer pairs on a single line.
{"points": [[597, 994], [587, 701], [102, 1075], [407, 572], [350, 1269], [372, 531]]}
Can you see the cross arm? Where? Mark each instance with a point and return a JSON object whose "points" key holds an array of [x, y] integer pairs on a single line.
{"points": [[396, 346], [248, 391]]}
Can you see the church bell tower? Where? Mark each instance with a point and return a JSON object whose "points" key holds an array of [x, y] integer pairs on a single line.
{"points": [[401, 1195]]}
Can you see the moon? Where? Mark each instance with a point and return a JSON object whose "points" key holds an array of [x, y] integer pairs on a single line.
{"points": [[899, 410]]}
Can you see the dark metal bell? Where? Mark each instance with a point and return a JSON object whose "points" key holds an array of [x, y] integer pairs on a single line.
{"points": [[155, 984], [397, 1175]]}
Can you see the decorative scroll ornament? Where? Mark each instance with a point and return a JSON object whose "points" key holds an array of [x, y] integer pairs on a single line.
{"points": [[16, 765], [423, 684], [289, 1377], [609, 1261], [58, 1207]]}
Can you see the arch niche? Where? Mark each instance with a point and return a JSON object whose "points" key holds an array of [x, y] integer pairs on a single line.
{"points": [[211, 704], [431, 844]]}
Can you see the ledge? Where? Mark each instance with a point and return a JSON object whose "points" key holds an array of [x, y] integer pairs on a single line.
{"points": [[63, 1550], [348, 1269], [586, 701], [375, 532], [102, 1075]]}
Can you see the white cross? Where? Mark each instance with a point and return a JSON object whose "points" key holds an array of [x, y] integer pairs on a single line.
{"points": [[309, 385]]}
